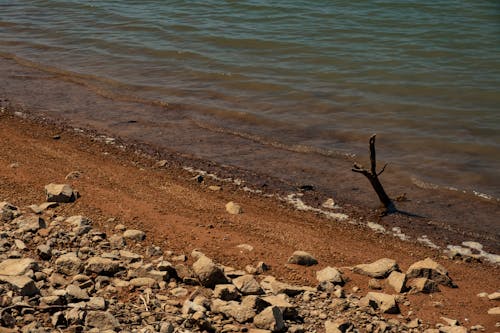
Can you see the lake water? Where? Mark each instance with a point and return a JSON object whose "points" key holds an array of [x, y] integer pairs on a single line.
{"points": [[312, 78]]}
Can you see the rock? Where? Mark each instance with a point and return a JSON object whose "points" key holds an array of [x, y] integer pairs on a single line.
{"points": [[116, 242], [383, 302], [494, 311], [44, 252], [330, 274], [247, 285], [338, 326], [135, 235], [21, 284], [215, 188], [378, 269], [59, 193], [69, 264], [430, 269], [397, 281], [245, 247], [233, 208], [208, 272], [47, 205], [271, 318], [102, 266], [16, 267], [143, 282], [29, 223], [450, 322], [423, 285], [271, 285], [130, 256], [302, 258], [233, 309], [494, 296], [226, 292], [76, 294], [374, 284], [179, 292], [167, 328], [102, 320], [289, 311], [7, 211], [19, 244]]}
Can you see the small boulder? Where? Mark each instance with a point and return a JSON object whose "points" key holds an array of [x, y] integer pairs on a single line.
{"points": [[397, 281], [378, 269], [59, 193], [69, 264], [271, 318], [247, 285], [21, 284], [102, 266], [233, 208], [226, 292], [102, 320], [232, 309], [330, 274], [338, 326], [208, 272], [383, 302], [423, 285], [29, 223], [430, 269], [494, 311], [16, 267], [135, 235], [302, 258]]}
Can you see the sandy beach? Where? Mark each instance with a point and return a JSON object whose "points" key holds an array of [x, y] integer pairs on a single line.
{"points": [[118, 183]]}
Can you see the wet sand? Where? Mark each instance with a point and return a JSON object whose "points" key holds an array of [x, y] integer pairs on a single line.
{"points": [[121, 182]]}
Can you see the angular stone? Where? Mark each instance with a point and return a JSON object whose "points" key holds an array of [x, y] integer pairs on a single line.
{"points": [[430, 269], [289, 311], [247, 285], [102, 266], [102, 320], [494, 311], [423, 285], [208, 272], [116, 242], [75, 294], [270, 284], [130, 256], [233, 208], [21, 284], [69, 264], [143, 282], [271, 318], [338, 326], [59, 193], [330, 274], [16, 267], [397, 281], [96, 303], [135, 235], [384, 302], [44, 252], [378, 269], [494, 296], [226, 292], [29, 223], [302, 258], [7, 211], [233, 310]]}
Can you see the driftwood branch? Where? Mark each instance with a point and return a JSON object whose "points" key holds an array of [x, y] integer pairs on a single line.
{"points": [[372, 176]]}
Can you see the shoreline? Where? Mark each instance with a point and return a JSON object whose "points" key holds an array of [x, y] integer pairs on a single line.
{"points": [[123, 185]]}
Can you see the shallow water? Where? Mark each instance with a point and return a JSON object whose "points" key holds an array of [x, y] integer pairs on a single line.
{"points": [[315, 79]]}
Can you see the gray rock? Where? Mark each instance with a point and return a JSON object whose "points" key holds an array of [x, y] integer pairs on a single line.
{"points": [[135, 235], [397, 281], [330, 274], [102, 266], [8, 212], [226, 292], [378, 269], [208, 272], [102, 320], [383, 302], [430, 269], [247, 285], [16, 267], [271, 318], [59, 193], [302, 258], [20, 284], [423, 285], [69, 264]]}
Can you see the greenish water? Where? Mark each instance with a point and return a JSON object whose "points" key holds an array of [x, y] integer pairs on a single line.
{"points": [[313, 77]]}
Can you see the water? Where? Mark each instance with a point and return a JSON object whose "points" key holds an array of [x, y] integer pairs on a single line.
{"points": [[315, 78]]}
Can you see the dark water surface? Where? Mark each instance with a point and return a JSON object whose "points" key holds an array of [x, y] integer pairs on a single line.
{"points": [[292, 89]]}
